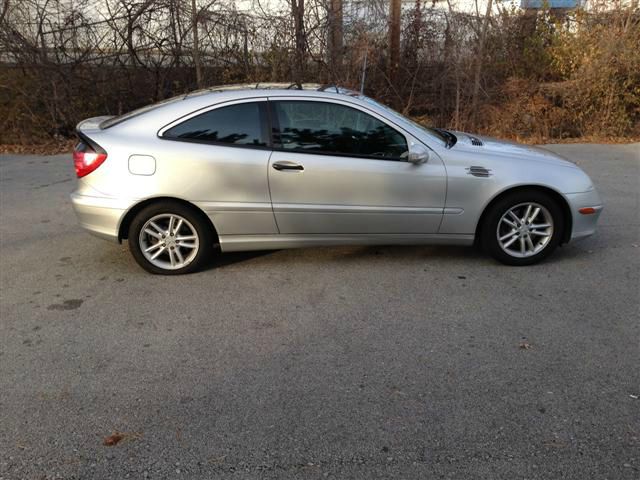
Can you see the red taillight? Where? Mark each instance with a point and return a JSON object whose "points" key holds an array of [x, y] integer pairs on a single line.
{"points": [[86, 160]]}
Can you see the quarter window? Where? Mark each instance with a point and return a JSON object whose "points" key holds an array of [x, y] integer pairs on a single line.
{"points": [[333, 128], [240, 124]]}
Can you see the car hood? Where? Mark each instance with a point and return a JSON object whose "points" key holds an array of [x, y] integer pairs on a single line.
{"points": [[487, 145]]}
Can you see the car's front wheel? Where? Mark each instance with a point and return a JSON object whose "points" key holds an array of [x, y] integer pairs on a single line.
{"points": [[170, 238], [523, 227]]}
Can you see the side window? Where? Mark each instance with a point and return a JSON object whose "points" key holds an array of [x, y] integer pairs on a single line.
{"points": [[240, 124], [332, 128]]}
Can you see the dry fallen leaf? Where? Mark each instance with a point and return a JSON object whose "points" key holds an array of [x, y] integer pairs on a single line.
{"points": [[525, 345], [117, 437], [113, 439]]}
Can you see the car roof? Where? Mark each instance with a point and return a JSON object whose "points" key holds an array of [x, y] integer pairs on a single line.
{"points": [[271, 86], [181, 105]]}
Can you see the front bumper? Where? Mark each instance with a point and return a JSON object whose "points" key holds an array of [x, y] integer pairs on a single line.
{"points": [[99, 215], [584, 225]]}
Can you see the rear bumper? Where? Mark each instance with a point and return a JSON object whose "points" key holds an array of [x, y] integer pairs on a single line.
{"points": [[99, 215], [584, 225]]}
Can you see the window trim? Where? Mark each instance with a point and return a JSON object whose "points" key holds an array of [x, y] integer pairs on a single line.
{"points": [[265, 124], [277, 144]]}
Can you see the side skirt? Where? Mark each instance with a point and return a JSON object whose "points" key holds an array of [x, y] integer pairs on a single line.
{"points": [[237, 243]]}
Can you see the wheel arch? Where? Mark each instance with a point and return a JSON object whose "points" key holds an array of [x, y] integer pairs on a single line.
{"points": [[562, 202], [125, 223]]}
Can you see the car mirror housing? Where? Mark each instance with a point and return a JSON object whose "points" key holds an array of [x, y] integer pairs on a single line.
{"points": [[418, 154]]}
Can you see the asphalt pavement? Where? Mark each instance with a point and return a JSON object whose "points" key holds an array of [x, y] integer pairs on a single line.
{"points": [[345, 363]]}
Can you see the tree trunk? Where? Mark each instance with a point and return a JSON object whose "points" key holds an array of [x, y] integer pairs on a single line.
{"points": [[479, 62], [297, 11], [335, 37], [395, 12], [196, 47], [445, 78]]}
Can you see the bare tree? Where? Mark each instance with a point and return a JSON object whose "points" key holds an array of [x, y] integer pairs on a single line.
{"points": [[62, 61]]}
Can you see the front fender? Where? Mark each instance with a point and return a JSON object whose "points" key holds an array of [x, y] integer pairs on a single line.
{"points": [[472, 194]]}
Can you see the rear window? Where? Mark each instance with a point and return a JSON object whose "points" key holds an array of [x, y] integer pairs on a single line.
{"points": [[134, 113], [240, 124]]}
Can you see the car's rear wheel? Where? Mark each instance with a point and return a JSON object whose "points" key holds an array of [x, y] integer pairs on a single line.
{"points": [[170, 238], [523, 227]]}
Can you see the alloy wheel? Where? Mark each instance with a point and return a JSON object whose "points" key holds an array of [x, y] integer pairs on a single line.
{"points": [[169, 241], [525, 230]]}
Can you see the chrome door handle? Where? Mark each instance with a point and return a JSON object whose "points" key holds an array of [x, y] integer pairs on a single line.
{"points": [[284, 165]]}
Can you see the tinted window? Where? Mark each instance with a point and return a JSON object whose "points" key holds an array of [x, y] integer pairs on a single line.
{"points": [[328, 127], [239, 124], [110, 122]]}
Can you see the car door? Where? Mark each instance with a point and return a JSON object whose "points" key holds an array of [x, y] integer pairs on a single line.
{"points": [[338, 168], [226, 149]]}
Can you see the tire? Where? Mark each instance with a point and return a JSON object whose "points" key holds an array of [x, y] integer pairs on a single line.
{"points": [[185, 249], [503, 234]]}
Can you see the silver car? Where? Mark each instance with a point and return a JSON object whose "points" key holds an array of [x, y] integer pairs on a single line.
{"points": [[270, 167]]}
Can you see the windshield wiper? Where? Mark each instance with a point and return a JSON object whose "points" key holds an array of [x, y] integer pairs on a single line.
{"points": [[448, 137]]}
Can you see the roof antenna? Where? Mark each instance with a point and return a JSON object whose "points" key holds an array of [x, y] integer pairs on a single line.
{"points": [[364, 72]]}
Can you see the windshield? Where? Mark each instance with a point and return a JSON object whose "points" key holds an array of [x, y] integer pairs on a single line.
{"points": [[432, 131]]}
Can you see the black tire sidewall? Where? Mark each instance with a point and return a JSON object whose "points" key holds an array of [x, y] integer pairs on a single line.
{"points": [[488, 233], [203, 230]]}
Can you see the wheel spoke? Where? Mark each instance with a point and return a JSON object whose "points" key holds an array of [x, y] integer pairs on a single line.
{"points": [[179, 255], [540, 234], [158, 253], [188, 245], [510, 242], [508, 235], [153, 247], [148, 231], [526, 214], [535, 213], [176, 229], [514, 216], [539, 226], [509, 222], [186, 237], [155, 225], [523, 248], [530, 243], [172, 258], [170, 227]]}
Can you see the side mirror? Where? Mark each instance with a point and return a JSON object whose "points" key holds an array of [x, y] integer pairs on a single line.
{"points": [[418, 154]]}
